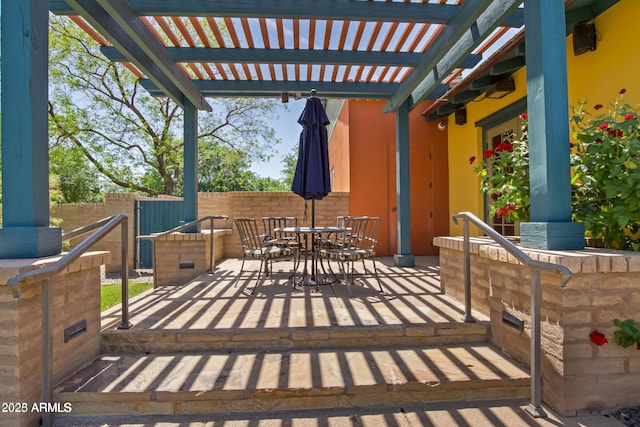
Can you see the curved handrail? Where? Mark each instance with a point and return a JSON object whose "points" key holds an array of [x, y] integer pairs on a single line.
{"points": [[514, 250], [104, 227], [209, 218], [535, 406]]}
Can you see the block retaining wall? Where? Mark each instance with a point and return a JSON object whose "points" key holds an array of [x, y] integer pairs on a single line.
{"points": [[76, 298], [578, 376], [233, 204]]}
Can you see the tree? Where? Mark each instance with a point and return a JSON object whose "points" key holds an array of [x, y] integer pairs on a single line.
{"points": [[289, 167], [129, 137], [221, 168], [77, 180]]}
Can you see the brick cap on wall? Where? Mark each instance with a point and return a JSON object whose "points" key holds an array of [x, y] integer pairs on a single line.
{"points": [[12, 267], [588, 260]]}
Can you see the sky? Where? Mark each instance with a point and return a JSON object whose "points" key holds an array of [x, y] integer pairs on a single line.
{"points": [[287, 131]]}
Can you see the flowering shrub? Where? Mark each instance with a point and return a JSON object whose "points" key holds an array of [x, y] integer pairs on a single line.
{"points": [[626, 336], [605, 179], [606, 173], [505, 176]]}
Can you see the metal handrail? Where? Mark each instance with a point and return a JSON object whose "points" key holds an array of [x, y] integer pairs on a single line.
{"points": [[209, 218], [104, 226], [535, 406]]}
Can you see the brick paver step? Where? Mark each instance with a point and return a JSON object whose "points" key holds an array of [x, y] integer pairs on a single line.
{"points": [[182, 340], [493, 413], [296, 379]]}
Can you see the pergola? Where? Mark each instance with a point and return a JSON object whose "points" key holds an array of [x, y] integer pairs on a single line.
{"points": [[188, 50]]}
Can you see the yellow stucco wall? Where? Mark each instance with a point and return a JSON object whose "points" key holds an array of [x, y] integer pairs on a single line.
{"points": [[596, 77], [465, 142]]}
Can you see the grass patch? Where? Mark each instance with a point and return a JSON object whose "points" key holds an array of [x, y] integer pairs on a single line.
{"points": [[111, 295]]}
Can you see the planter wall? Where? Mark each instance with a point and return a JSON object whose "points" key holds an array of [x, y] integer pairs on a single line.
{"points": [[578, 376]]}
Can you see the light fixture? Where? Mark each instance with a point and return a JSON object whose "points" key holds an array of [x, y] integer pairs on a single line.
{"points": [[501, 88], [584, 38], [461, 116]]}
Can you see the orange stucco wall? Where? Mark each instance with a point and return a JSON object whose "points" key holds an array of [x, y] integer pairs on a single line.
{"points": [[339, 153], [362, 152]]}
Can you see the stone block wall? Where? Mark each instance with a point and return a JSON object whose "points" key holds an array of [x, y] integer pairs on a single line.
{"points": [[233, 204], [76, 215], [76, 297], [181, 257], [259, 204], [578, 376]]}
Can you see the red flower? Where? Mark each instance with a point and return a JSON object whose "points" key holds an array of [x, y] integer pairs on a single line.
{"points": [[615, 132], [622, 91], [472, 159], [638, 346], [597, 106], [630, 117], [496, 195], [598, 338], [570, 144], [524, 116], [488, 153], [505, 210], [504, 146], [604, 126]]}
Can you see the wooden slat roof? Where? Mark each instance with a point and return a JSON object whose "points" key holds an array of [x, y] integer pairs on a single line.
{"points": [[399, 50]]}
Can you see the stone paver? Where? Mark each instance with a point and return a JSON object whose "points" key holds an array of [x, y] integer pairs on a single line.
{"points": [[270, 355]]}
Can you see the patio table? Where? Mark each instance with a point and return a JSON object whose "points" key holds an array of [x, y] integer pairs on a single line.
{"points": [[311, 279]]}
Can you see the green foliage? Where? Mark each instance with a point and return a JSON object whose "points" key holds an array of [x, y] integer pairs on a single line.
{"points": [[221, 168], [269, 184], [606, 173], [133, 140], [289, 167], [628, 334], [505, 176], [77, 180]]}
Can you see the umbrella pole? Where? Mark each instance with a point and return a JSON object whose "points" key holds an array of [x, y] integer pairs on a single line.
{"points": [[313, 240]]}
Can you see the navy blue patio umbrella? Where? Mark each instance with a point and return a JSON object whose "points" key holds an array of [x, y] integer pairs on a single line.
{"points": [[311, 180]]}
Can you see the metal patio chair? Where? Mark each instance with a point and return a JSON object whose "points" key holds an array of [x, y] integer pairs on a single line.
{"points": [[254, 248], [281, 238], [357, 242]]}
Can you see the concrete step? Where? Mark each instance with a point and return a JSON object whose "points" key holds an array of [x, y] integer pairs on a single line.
{"points": [[185, 340], [238, 382], [494, 413]]}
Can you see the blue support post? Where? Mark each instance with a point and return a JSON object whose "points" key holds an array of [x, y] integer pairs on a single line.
{"points": [[25, 152], [403, 257], [548, 108], [190, 165]]}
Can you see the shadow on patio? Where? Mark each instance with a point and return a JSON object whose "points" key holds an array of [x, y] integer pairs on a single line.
{"points": [[208, 352], [215, 303]]}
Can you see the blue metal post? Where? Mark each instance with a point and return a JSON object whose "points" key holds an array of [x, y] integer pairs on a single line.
{"points": [[403, 257], [548, 108], [25, 155], [190, 165]]}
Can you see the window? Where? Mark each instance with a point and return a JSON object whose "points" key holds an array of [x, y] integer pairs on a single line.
{"points": [[504, 132]]}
